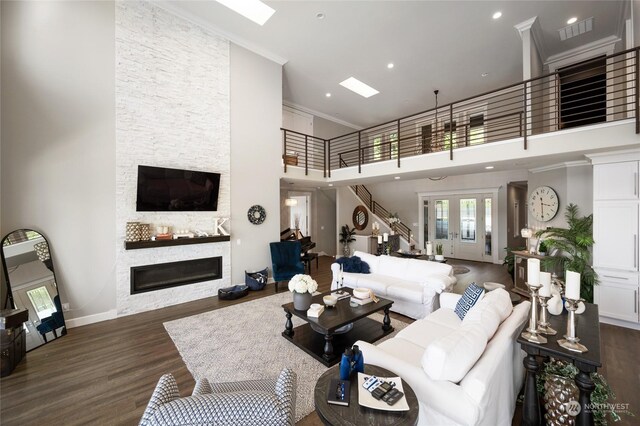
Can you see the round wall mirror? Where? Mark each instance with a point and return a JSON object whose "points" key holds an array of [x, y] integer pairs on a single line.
{"points": [[32, 285], [360, 218]]}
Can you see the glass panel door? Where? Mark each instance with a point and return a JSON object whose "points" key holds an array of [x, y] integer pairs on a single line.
{"points": [[468, 220]]}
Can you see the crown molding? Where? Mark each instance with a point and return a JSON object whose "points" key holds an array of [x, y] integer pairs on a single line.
{"points": [[320, 114], [176, 10], [604, 46], [525, 25], [564, 165], [622, 155]]}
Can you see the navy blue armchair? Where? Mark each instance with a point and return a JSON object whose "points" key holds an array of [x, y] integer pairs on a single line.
{"points": [[285, 259]]}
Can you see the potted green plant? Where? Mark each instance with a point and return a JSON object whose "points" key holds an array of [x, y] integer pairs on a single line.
{"points": [[555, 383], [542, 248], [573, 246], [510, 258], [346, 237], [439, 251]]}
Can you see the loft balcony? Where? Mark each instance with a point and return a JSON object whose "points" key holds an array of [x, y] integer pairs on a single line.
{"points": [[588, 107]]}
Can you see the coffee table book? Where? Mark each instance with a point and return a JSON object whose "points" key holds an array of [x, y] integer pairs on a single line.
{"points": [[338, 392]]}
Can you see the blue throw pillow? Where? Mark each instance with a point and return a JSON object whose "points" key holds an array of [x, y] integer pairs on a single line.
{"points": [[471, 295], [354, 264]]}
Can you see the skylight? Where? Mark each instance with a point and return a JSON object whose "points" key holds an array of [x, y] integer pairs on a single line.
{"points": [[359, 87], [255, 10]]}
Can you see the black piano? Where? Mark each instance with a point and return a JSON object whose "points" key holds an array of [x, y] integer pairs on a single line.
{"points": [[306, 243]]}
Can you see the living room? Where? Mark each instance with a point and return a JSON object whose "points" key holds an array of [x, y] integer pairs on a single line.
{"points": [[91, 90]]}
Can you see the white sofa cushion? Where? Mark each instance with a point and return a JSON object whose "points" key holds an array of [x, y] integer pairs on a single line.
{"points": [[452, 356], [424, 332], [445, 317], [403, 349], [371, 260], [405, 291], [393, 266]]}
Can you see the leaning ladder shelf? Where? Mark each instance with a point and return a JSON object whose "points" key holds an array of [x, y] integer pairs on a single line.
{"points": [[179, 242]]}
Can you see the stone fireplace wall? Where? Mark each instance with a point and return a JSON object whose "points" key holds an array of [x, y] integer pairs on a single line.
{"points": [[172, 110]]}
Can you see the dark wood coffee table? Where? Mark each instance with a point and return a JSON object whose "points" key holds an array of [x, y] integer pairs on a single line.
{"points": [[354, 414], [326, 345]]}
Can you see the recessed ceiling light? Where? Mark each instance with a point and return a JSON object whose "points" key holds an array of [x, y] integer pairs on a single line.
{"points": [[390, 65], [489, 167], [328, 95], [359, 87], [484, 74], [330, 184], [255, 10], [320, 15], [497, 15], [572, 20], [397, 177]]}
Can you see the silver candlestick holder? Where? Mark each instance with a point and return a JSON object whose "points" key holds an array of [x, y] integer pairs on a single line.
{"points": [[531, 333], [571, 341], [543, 324]]}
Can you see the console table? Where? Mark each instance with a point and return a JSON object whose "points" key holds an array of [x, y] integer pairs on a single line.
{"points": [[588, 330]]}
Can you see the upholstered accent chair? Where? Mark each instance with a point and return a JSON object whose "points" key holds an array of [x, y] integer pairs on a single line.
{"points": [[286, 261], [248, 403]]}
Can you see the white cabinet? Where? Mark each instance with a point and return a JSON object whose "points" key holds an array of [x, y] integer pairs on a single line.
{"points": [[617, 295], [616, 222], [615, 232], [616, 181]]}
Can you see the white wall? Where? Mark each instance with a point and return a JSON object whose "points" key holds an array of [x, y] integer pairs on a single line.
{"points": [[172, 110], [327, 129], [256, 117], [58, 140]]}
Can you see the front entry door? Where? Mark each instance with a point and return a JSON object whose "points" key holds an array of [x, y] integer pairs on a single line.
{"points": [[462, 224]]}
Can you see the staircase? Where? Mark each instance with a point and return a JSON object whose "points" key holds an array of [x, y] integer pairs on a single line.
{"points": [[365, 196]]}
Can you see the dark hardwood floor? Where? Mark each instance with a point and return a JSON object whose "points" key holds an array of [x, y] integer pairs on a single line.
{"points": [[104, 373]]}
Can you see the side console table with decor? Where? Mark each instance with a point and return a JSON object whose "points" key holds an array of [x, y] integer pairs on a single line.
{"points": [[520, 271], [588, 330], [12, 339]]}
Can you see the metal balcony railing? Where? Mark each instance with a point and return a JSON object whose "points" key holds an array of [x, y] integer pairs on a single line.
{"points": [[600, 90], [365, 196]]}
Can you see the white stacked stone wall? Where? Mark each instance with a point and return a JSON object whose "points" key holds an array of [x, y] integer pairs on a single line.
{"points": [[172, 110]]}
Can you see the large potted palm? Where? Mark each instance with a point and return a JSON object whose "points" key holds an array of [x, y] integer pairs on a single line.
{"points": [[346, 237], [573, 245]]}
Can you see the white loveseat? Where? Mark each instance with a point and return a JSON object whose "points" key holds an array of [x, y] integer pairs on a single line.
{"points": [[463, 372], [412, 284]]}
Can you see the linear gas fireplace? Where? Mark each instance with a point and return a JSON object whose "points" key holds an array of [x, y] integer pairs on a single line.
{"points": [[155, 277]]}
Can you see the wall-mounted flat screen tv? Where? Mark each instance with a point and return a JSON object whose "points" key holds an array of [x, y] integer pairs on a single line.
{"points": [[162, 189]]}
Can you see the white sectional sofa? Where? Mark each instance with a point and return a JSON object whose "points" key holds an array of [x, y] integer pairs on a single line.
{"points": [[465, 372], [412, 284]]}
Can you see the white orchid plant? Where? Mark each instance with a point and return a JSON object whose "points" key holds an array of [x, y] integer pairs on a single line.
{"points": [[394, 219], [302, 283]]}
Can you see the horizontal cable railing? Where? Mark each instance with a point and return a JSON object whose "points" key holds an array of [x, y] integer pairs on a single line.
{"points": [[599, 90]]}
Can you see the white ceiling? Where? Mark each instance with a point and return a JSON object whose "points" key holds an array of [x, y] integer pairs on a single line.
{"points": [[443, 45]]}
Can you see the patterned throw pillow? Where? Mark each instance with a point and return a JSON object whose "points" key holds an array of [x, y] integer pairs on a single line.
{"points": [[471, 295], [354, 264]]}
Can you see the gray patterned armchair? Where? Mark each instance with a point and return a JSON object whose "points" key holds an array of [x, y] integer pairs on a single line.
{"points": [[253, 402]]}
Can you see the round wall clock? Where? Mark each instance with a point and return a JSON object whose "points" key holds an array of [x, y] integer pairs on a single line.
{"points": [[543, 203], [256, 214]]}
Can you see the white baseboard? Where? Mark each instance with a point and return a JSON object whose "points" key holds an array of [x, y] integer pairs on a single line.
{"points": [[90, 319], [620, 323]]}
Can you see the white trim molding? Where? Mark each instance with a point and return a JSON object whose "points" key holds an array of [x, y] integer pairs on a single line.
{"points": [[615, 156], [604, 46], [91, 319], [565, 165]]}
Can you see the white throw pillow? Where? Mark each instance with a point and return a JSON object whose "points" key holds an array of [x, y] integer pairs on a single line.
{"points": [[452, 356], [485, 315], [500, 299]]}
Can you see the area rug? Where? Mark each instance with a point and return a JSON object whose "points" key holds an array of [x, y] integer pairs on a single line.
{"points": [[244, 342], [459, 270]]}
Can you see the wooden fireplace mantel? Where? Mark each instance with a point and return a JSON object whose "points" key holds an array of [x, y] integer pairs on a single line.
{"points": [[178, 242]]}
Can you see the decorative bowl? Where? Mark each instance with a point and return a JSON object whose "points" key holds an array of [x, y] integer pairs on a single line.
{"points": [[361, 293], [330, 300]]}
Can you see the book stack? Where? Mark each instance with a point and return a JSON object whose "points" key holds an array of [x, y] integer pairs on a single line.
{"points": [[361, 302], [315, 310]]}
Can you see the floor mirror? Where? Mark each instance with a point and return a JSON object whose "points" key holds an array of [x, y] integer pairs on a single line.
{"points": [[32, 285]]}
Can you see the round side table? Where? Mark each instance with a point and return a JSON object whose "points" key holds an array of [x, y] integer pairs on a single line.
{"points": [[354, 414]]}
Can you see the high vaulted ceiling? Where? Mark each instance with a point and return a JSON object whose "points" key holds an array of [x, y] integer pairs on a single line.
{"points": [[445, 45]]}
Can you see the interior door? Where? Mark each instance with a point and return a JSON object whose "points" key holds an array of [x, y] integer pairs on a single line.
{"points": [[468, 238], [442, 223]]}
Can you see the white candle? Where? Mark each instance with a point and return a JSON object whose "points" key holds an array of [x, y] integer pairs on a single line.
{"points": [[533, 272], [545, 281], [572, 285], [385, 237], [379, 239], [429, 248]]}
